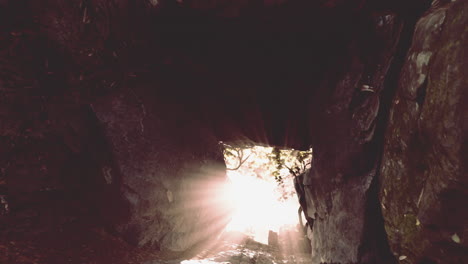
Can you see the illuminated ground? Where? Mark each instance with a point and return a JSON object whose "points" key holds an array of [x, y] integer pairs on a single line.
{"points": [[234, 248]]}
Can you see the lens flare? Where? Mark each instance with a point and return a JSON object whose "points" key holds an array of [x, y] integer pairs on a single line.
{"points": [[256, 207], [256, 201]]}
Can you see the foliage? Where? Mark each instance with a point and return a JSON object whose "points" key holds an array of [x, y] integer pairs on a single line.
{"points": [[268, 163], [295, 161], [235, 153]]}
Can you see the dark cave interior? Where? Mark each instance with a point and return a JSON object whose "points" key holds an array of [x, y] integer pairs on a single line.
{"points": [[107, 106]]}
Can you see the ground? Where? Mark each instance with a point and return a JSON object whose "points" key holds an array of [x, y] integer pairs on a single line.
{"points": [[239, 249], [28, 238]]}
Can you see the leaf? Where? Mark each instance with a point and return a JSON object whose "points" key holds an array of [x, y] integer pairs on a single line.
{"points": [[456, 238]]}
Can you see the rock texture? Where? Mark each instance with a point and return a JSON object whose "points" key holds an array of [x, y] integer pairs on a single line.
{"points": [[169, 170], [424, 165], [344, 141]]}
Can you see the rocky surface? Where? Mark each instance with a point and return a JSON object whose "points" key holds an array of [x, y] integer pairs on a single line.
{"points": [[424, 165], [340, 183], [168, 169]]}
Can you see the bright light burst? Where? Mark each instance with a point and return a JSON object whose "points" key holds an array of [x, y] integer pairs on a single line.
{"points": [[258, 202]]}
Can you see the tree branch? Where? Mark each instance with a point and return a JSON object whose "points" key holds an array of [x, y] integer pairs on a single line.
{"points": [[240, 155]]}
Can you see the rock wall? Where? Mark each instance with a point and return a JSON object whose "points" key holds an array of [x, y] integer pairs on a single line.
{"points": [[423, 173], [346, 136], [78, 146], [170, 171], [421, 179]]}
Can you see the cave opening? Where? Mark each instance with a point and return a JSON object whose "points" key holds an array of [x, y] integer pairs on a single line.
{"points": [[263, 197]]}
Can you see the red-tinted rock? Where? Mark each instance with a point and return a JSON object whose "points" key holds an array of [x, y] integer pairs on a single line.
{"points": [[423, 192]]}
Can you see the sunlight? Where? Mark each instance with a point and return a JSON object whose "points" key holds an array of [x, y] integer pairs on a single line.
{"points": [[256, 207], [257, 201]]}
